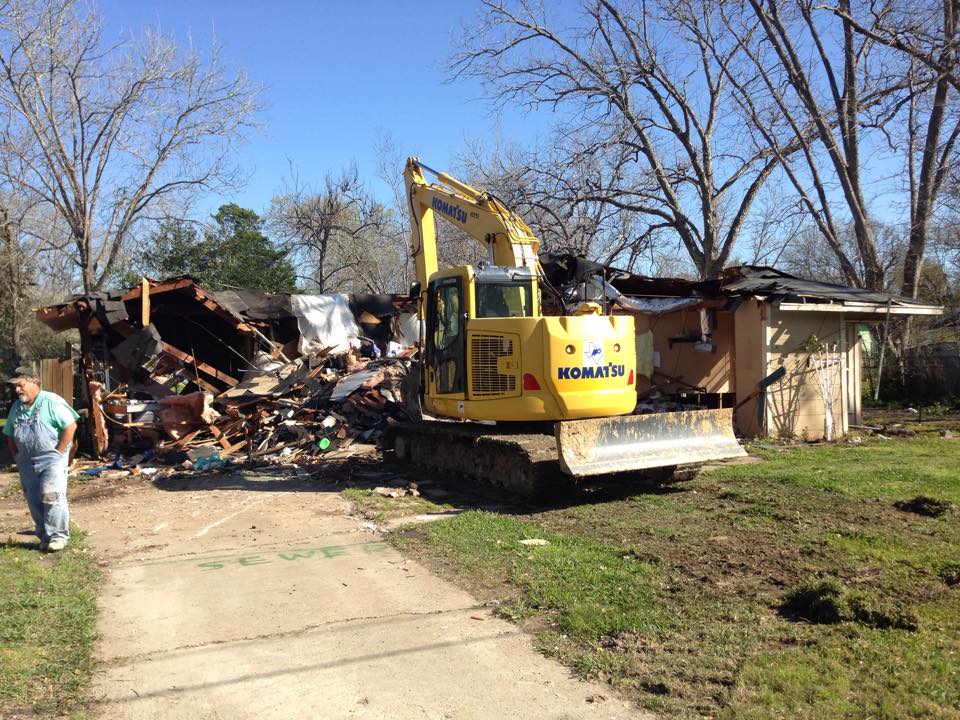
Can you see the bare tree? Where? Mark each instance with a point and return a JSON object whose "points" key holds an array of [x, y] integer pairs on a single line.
{"points": [[932, 131], [334, 234], [395, 232], [926, 32], [813, 109], [30, 275], [104, 132], [560, 192], [13, 281], [649, 78], [811, 255]]}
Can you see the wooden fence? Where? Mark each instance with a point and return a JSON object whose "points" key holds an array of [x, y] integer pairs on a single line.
{"points": [[56, 376]]}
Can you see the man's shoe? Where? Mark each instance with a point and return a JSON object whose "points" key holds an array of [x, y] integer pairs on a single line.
{"points": [[56, 545], [43, 545]]}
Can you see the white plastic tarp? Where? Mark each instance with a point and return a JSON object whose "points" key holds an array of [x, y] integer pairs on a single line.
{"points": [[325, 322], [409, 326]]}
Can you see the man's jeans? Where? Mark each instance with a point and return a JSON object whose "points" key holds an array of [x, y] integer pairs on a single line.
{"points": [[44, 482]]}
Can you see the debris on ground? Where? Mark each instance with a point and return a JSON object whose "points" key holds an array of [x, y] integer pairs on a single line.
{"points": [[397, 492], [321, 407]]}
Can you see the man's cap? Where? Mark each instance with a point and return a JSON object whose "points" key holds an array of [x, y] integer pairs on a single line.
{"points": [[23, 373]]}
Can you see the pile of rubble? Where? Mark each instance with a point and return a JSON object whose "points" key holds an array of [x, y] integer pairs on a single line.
{"points": [[173, 372], [319, 406]]}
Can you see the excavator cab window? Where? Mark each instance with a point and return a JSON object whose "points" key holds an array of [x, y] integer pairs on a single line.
{"points": [[504, 300], [446, 347]]}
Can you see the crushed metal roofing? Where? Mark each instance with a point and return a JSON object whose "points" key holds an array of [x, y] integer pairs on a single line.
{"points": [[757, 280]]}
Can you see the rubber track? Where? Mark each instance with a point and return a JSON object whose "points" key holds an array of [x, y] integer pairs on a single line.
{"points": [[523, 463]]}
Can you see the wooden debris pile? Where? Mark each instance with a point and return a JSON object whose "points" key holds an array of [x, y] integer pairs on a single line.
{"points": [[164, 359], [320, 406]]}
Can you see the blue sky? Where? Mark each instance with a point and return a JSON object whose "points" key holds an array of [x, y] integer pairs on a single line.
{"points": [[336, 76]]}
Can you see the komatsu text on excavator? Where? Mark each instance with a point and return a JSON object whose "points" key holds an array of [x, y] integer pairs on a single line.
{"points": [[488, 353]]}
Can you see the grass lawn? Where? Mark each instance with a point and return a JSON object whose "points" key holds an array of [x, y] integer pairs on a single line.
{"points": [[47, 629], [805, 586]]}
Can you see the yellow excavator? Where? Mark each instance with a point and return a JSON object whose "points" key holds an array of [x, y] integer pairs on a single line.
{"points": [[488, 354]]}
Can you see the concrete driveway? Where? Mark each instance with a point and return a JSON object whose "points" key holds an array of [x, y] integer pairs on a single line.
{"points": [[259, 595]]}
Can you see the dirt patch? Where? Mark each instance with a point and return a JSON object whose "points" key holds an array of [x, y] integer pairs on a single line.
{"points": [[922, 505], [950, 574], [818, 601], [731, 541], [826, 600]]}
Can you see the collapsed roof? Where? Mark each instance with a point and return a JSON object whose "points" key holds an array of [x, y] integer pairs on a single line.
{"points": [[791, 292], [172, 337]]}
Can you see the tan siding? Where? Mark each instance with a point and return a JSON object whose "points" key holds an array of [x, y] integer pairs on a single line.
{"points": [[794, 405], [855, 365], [749, 344]]}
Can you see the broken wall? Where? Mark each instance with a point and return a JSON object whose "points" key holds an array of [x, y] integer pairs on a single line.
{"points": [[750, 351], [712, 371]]}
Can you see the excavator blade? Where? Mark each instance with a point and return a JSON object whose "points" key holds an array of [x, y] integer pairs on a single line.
{"points": [[639, 442]]}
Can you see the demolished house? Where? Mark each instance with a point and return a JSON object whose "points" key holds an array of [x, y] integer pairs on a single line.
{"points": [[767, 343], [176, 369], [183, 371]]}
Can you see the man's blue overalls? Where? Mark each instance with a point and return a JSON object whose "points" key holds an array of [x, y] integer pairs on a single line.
{"points": [[43, 475]]}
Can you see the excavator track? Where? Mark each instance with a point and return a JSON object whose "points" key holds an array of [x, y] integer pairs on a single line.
{"points": [[524, 463]]}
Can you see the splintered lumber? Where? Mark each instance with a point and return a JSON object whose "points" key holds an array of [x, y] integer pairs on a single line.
{"points": [[191, 361], [218, 434], [144, 302], [230, 449], [183, 441]]}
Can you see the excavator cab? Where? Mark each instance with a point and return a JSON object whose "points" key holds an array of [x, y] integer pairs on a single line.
{"points": [[491, 355], [446, 336], [456, 298]]}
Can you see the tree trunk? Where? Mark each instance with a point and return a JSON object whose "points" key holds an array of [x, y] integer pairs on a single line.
{"points": [[14, 282], [930, 169]]}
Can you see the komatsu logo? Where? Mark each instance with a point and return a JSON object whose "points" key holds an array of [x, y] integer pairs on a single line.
{"points": [[580, 373], [449, 210]]}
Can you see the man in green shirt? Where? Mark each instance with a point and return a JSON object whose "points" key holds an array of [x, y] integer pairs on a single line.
{"points": [[39, 430]]}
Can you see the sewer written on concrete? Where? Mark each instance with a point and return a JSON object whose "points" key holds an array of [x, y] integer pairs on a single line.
{"points": [[288, 555], [263, 556]]}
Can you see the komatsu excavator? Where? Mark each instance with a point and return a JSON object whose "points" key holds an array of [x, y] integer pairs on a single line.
{"points": [[489, 354]]}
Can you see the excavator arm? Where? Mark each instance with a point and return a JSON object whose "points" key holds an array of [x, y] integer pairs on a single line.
{"points": [[509, 241]]}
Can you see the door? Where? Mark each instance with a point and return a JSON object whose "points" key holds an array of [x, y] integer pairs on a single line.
{"points": [[854, 368], [446, 337]]}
